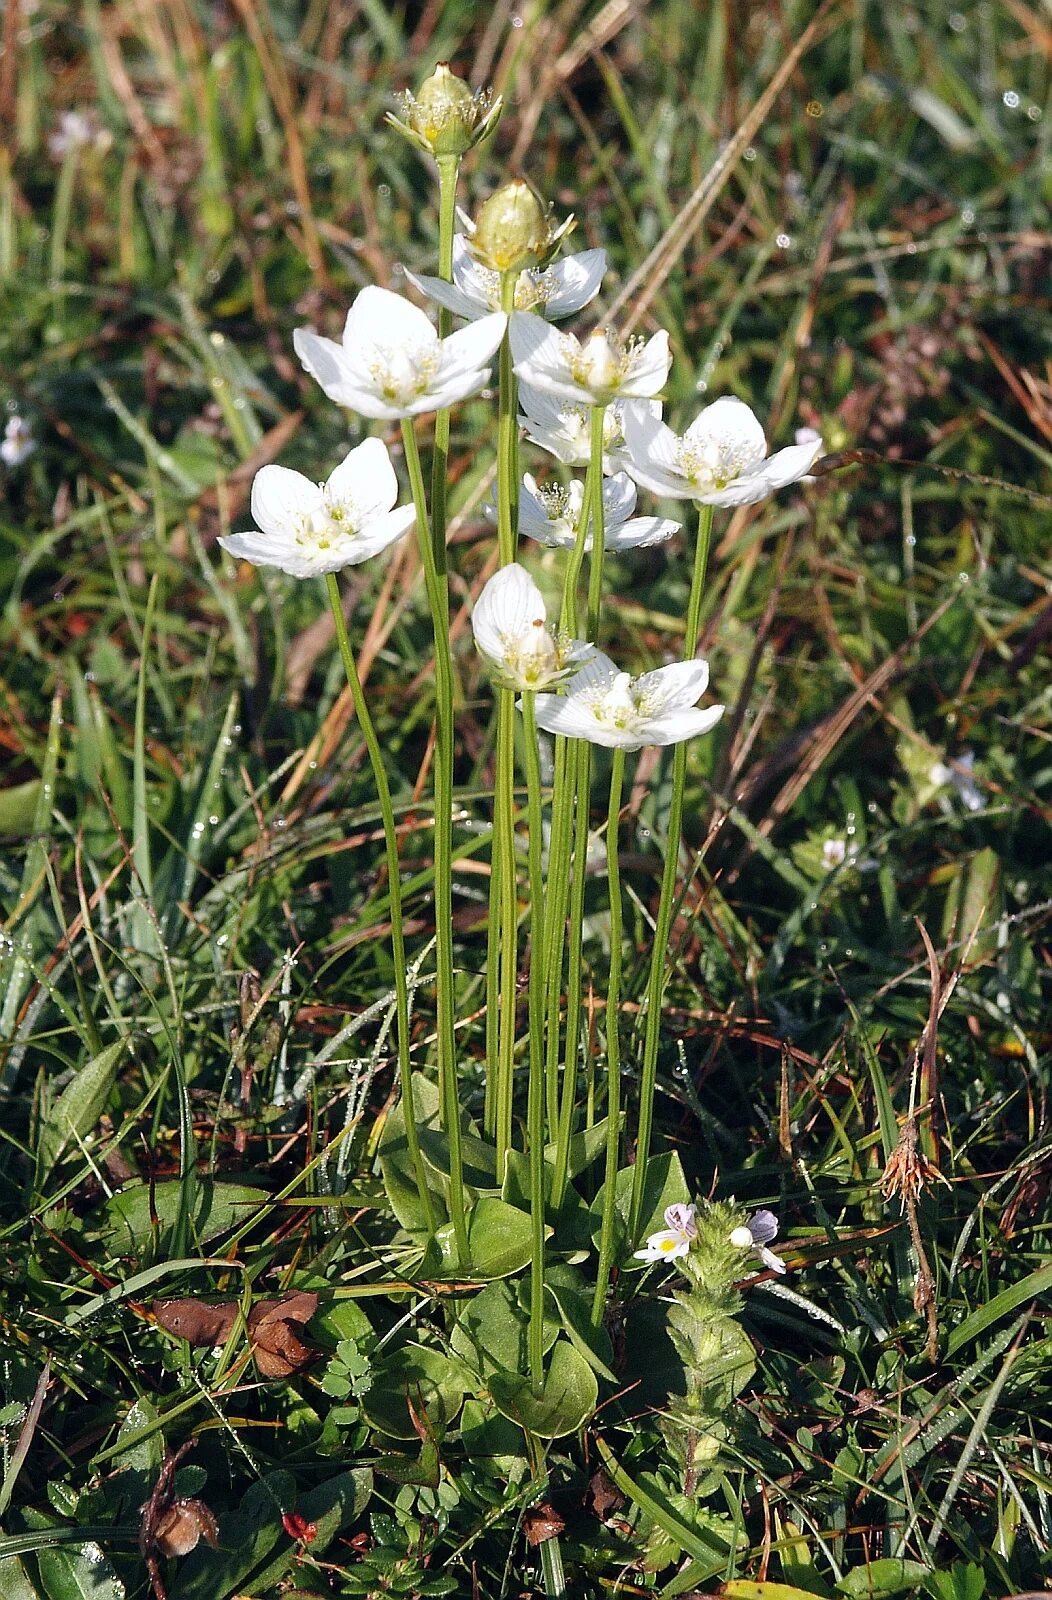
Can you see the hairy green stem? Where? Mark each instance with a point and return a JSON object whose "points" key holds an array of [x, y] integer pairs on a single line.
{"points": [[401, 977], [535, 1103], [613, 1047], [448, 169], [663, 928], [447, 1065]]}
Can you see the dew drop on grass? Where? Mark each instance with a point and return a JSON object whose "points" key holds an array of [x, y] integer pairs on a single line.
{"points": [[1011, 99], [783, 241]]}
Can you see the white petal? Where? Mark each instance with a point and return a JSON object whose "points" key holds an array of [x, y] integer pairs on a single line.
{"points": [[619, 499], [509, 606], [541, 355], [792, 463], [769, 1259], [366, 477], [653, 454], [448, 295], [377, 534], [325, 361], [676, 726], [676, 687], [446, 394], [477, 283], [731, 423], [379, 318], [569, 718], [577, 280], [263, 550], [533, 514], [472, 347], [281, 498], [649, 370], [597, 676], [640, 531]]}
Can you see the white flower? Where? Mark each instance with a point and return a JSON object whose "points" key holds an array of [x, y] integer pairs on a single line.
{"points": [[721, 460], [600, 370], [756, 1235], [308, 528], [959, 776], [833, 854], [510, 627], [18, 443], [391, 362], [608, 707], [563, 428], [76, 130], [555, 291], [550, 513], [668, 1244]]}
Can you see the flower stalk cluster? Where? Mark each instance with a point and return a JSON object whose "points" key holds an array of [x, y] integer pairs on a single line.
{"points": [[586, 401]]}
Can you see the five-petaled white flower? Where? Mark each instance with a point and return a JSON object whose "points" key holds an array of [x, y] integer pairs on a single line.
{"points": [[756, 1235], [668, 1244], [510, 627], [595, 373], [550, 513], [608, 707], [308, 529], [391, 362], [834, 853], [17, 444], [564, 429], [555, 291], [721, 460], [959, 777]]}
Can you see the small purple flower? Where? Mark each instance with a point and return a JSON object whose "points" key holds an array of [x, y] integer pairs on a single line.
{"points": [[756, 1235], [668, 1244], [682, 1217]]}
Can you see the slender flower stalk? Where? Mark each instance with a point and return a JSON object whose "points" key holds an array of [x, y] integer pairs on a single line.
{"points": [[503, 902], [570, 818], [663, 927], [365, 722], [448, 170], [613, 1048], [535, 1101], [447, 1069]]}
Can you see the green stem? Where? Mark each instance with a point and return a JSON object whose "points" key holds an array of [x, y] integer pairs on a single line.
{"points": [[663, 928], [613, 1046], [507, 434], [580, 761], [555, 904], [448, 169], [595, 570], [503, 899], [507, 915], [535, 1103], [571, 806], [572, 578], [372, 744], [447, 1066]]}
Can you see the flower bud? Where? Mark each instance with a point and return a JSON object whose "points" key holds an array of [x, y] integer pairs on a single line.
{"points": [[513, 230], [445, 118], [741, 1239]]}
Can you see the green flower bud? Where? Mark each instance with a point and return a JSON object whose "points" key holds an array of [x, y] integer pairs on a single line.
{"points": [[445, 118], [514, 230]]}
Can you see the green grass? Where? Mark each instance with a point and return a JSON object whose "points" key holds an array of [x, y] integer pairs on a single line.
{"points": [[196, 977]]}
